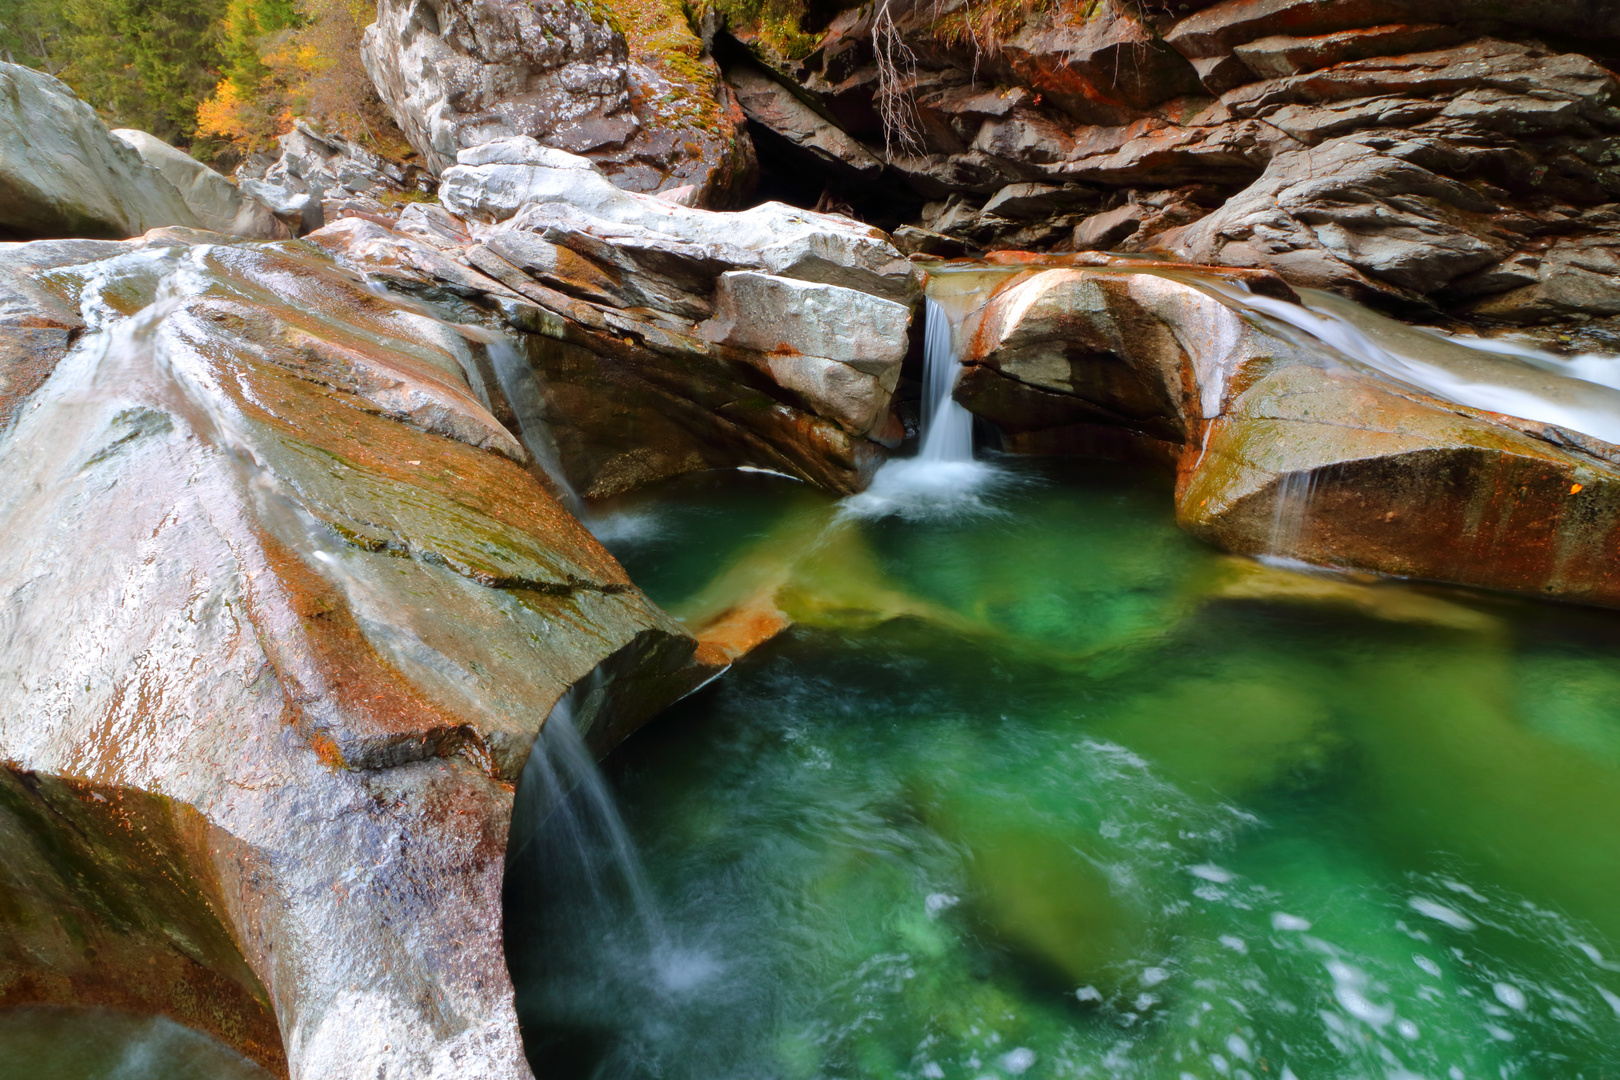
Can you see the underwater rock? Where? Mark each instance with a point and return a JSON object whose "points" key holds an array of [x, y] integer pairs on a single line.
{"points": [[281, 615], [63, 174], [457, 74]]}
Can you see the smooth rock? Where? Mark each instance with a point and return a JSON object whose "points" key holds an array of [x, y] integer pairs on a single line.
{"points": [[299, 630], [62, 173], [218, 204], [781, 315]]}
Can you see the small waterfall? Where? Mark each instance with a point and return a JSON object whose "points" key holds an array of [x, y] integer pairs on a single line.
{"points": [[611, 972], [943, 480], [947, 427], [564, 806], [516, 376], [1289, 512]]}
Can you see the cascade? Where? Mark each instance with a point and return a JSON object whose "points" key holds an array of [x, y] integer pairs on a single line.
{"points": [[947, 427], [516, 376], [564, 806], [1499, 376], [616, 974]]}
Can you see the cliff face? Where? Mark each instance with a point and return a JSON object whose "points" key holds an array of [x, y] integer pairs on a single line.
{"points": [[1459, 154]]}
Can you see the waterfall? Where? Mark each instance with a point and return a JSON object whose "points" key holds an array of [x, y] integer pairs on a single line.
{"points": [[1290, 510], [516, 376], [612, 972], [564, 807], [943, 480], [947, 427]]}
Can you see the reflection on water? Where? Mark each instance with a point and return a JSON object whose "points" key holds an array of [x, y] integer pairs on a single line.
{"points": [[1099, 802], [95, 1044]]}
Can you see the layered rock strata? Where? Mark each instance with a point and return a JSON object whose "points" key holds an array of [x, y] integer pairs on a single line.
{"points": [[666, 339], [1410, 154], [282, 608]]}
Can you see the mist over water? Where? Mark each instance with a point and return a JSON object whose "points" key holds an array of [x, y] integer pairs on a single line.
{"points": [[1103, 803]]}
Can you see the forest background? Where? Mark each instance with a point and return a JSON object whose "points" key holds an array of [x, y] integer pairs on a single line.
{"points": [[220, 78]]}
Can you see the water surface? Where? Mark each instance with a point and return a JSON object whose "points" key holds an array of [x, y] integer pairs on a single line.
{"points": [[1093, 800]]}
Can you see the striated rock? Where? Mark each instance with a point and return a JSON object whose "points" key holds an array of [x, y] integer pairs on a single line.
{"points": [[494, 182], [1403, 155], [63, 174], [772, 106], [218, 204], [609, 308], [1354, 216], [1227, 25], [1282, 55], [282, 616], [1285, 446], [457, 74]]}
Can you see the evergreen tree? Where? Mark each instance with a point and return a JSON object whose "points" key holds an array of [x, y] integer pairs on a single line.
{"points": [[141, 63]]}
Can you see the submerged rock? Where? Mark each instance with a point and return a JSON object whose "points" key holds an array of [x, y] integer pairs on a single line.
{"points": [[283, 609]]}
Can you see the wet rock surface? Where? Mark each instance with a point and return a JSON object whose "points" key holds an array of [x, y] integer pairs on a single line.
{"points": [[1286, 447], [283, 610]]}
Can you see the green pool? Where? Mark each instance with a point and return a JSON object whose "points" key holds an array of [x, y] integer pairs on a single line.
{"points": [[1047, 789]]}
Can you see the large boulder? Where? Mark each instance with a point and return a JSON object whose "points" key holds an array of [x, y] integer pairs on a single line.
{"points": [[62, 173], [220, 205], [1287, 446], [494, 182], [631, 89], [282, 609], [839, 348]]}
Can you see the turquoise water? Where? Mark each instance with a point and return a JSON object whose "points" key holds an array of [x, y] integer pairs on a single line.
{"points": [[1052, 790], [41, 1043]]}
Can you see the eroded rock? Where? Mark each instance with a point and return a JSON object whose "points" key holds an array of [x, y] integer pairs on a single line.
{"points": [[457, 74], [282, 617], [1286, 446]]}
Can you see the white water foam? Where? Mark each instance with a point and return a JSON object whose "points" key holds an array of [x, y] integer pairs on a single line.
{"points": [[942, 481]]}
